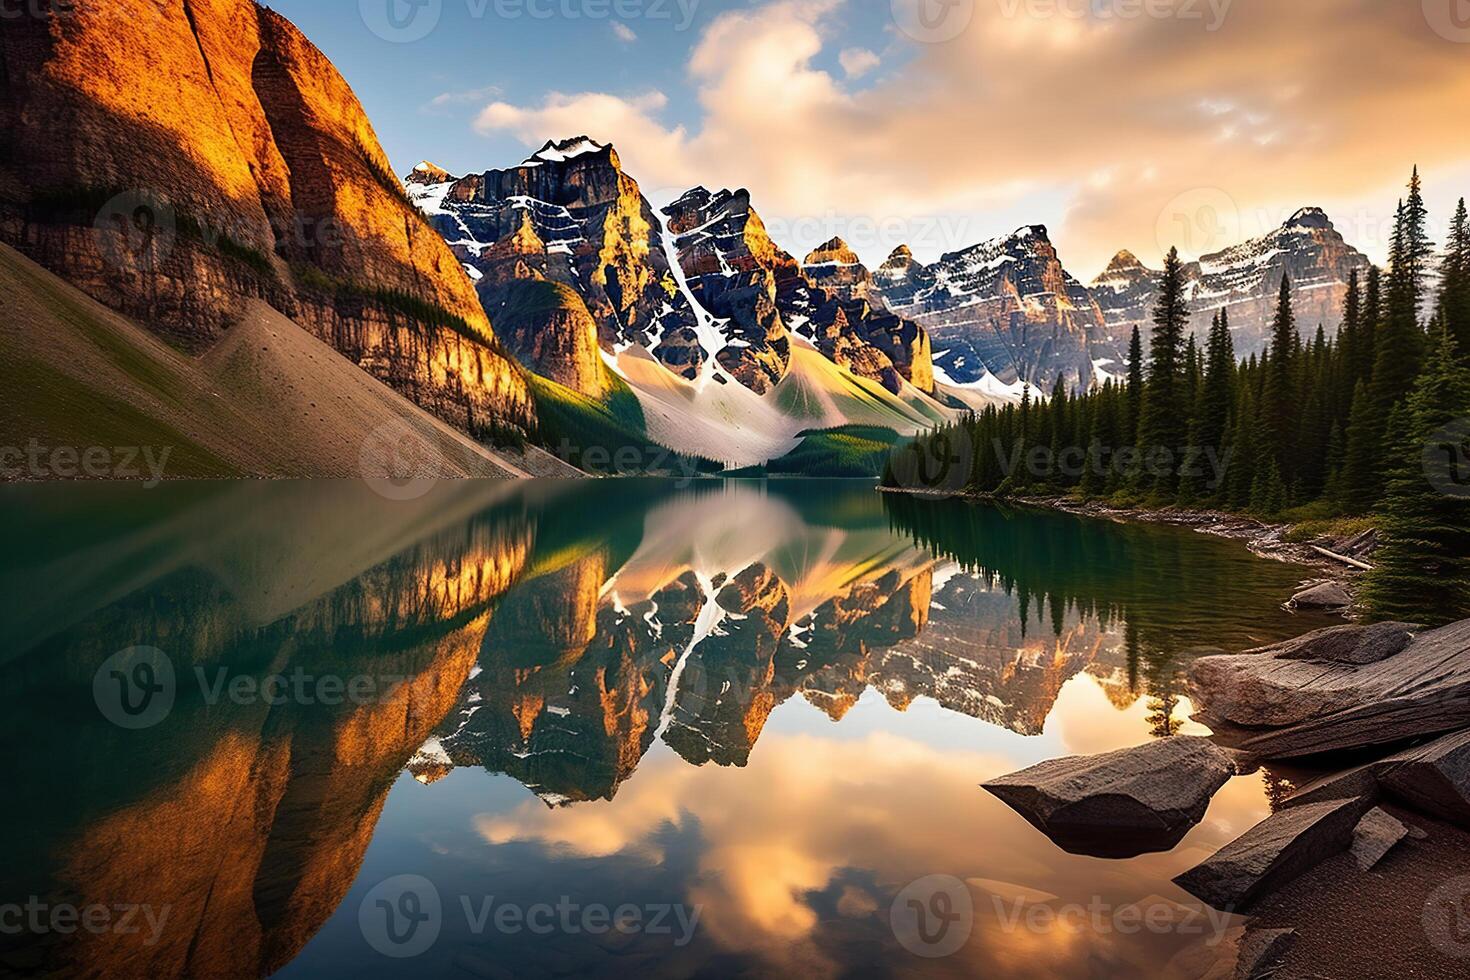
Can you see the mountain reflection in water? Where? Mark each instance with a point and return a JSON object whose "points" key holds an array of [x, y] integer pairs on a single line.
{"points": [[634, 654]]}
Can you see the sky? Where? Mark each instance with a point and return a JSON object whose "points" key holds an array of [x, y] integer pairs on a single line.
{"points": [[1118, 124]]}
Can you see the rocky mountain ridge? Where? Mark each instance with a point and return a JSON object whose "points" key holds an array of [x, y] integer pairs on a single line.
{"points": [[1244, 280], [703, 287], [178, 161], [1002, 310]]}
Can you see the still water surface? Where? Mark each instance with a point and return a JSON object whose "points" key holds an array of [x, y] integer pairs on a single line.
{"points": [[592, 729]]}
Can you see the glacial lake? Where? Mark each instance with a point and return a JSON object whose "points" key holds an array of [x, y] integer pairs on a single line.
{"points": [[591, 729]]}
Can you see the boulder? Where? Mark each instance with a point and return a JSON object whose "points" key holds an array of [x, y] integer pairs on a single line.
{"points": [[1338, 691], [1375, 835], [1120, 804], [1360, 782], [1272, 853], [1261, 951], [1434, 778], [1328, 595], [1356, 645]]}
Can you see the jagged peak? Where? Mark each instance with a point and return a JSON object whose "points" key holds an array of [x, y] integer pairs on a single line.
{"points": [[696, 196], [901, 254], [1309, 217], [569, 149], [429, 173], [1123, 263], [835, 251]]}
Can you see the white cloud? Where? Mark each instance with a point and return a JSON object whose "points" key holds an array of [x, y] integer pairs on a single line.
{"points": [[474, 96], [623, 32], [857, 62], [1024, 111]]}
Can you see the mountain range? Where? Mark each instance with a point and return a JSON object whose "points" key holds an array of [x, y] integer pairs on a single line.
{"points": [[1244, 281], [732, 347], [200, 165]]}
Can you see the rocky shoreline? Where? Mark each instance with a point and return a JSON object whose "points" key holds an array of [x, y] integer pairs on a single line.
{"points": [[1341, 570], [1394, 694]]}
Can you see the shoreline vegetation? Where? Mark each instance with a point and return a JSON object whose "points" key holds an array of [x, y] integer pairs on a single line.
{"points": [[1303, 543], [1368, 428]]}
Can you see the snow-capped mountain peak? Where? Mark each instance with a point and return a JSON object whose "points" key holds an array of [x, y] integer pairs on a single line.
{"points": [[554, 152], [1244, 279]]}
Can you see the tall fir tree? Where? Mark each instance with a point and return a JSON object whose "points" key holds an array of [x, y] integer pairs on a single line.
{"points": [[1370, 323], [1282, 395], [1454, 297], [1400, 343], [1134, 396], [1163, 425], [1422, 570], [1358, 481]]}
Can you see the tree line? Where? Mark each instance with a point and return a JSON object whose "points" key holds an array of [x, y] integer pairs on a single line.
{"points": [[1372, 421]]}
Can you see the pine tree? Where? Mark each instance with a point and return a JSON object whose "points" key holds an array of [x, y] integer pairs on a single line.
{"points": [[1282, 402], [1422, 571], [1163, 424], [1240, 477], [1135, 386], [1217, 391], [1370, 324], [1400, 344], [1454, 299], [1358, 482]]}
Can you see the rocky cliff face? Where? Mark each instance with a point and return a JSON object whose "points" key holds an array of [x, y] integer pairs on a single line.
{"points": [[854, 328], [569, 214], [250, 821], [1245, 280], [735, 272], [764, 294], [177, 159], [1005, 307], [548, 327]]}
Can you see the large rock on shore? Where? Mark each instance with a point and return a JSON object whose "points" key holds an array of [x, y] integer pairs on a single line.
{"points": [[1433, 778], [1376, 834], [1273, 852], [1348, 688], [1120, 804], [1328, 595]]}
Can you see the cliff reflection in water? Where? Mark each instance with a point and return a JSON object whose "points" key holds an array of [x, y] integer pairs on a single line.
{"points": [[554, 632]]}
